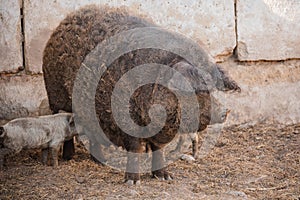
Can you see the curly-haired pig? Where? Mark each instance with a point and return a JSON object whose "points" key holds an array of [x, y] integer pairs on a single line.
{"points": [[78, 35]]}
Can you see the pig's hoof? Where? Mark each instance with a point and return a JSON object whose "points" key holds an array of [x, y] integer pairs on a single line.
{"points": [[132, 182], [138, 182], [129, 182], [55, 166], [44, 163], [187, 158], [162, 175], [132, 178]]}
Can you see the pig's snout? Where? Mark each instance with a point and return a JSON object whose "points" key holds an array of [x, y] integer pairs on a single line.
{"points": [[224, 114]]}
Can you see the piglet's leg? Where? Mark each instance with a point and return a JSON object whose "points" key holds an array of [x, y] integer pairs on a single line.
{"points": [[54, 153], [158, 161], [195, 142], [179, 144], [3, 153], [45, 156]]}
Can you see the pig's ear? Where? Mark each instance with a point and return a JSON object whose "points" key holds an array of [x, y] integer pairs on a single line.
{"points": [[225, 82], [1, 131], [192, 81]]}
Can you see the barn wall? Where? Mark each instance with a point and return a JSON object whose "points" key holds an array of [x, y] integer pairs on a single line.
{"points": [[257, 41]]}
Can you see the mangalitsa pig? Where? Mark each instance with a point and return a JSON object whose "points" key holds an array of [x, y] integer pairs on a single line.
{"points": [[67, 49], [44, 132]]}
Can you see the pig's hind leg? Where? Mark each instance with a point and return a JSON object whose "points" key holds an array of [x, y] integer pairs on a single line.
{"points": [[134, 148], [54, 154]]}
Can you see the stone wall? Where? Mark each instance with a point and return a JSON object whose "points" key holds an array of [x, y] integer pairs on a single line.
{"points": [[257, 41]]}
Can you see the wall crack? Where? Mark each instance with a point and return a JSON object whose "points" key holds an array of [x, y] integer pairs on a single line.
{"points": [[235, 53], [22, 35]]}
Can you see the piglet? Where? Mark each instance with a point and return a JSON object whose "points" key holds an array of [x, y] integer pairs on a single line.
{"points": [[44, 132]]}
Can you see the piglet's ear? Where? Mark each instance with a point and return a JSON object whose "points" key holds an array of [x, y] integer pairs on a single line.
{"points": [[1, 131], [71, 120]]}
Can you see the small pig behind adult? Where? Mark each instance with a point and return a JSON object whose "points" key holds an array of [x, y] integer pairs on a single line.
{"points": [[219, 114], [44, 132], [211, 110]]}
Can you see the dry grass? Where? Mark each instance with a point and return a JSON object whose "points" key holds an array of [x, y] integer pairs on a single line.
{"points": [[260, 162]]}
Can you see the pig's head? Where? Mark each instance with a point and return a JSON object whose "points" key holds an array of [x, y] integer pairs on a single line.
{"points": [[211, 110], [72, 127], [71, 132]]}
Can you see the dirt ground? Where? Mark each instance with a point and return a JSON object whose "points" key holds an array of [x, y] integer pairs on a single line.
{"points": [[247, 162]]}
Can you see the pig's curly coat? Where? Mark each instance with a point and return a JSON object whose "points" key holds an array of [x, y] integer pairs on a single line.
{"points": [[76, 36]]}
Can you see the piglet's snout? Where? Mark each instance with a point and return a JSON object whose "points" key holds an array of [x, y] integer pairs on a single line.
{"points": [[219, 115], [224, 114]]}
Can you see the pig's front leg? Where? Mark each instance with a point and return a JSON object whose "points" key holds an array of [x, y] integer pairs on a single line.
{"points": [[158, 161], [54, 153], [195, 143]]}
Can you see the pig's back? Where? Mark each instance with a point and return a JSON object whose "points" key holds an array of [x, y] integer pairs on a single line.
{"points": [[76, 36]]}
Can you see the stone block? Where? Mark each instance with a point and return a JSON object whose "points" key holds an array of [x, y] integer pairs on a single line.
{"points": [[11, 58], [211, 22], [270, 93], [268, 29], [22, 96]]}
